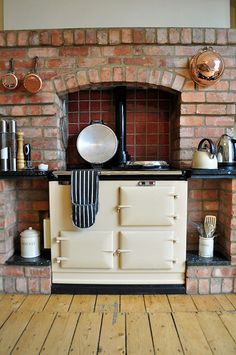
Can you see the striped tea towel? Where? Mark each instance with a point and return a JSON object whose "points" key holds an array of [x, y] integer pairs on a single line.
{"points": [[84, 197]]}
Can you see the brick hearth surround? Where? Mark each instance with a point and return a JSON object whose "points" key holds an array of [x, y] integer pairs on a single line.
{"points": [[80, 59]]}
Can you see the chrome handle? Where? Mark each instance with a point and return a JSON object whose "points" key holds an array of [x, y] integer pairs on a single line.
{"points": [[123, 206], [59, 259], [59, 239]]}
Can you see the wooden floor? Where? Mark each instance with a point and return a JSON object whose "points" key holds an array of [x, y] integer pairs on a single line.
{"points": [[113, 324]]}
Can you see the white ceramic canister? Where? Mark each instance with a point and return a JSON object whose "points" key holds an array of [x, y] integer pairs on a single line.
{"points": [[206, 247], [30, 243]]}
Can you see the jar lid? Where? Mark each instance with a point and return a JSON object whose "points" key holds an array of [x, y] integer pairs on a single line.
{"points": [[30, 232]]}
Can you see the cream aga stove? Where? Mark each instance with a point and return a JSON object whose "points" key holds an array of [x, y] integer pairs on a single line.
{"points": [[138, 238]]}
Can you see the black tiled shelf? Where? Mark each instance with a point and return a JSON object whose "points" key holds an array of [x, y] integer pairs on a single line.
{"points": [[193, 259]]}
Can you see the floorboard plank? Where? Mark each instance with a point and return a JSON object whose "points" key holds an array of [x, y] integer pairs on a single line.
{"points": [[86, 336], [190, 333], [58, 303], [4, 315], [12, 330], [225, 303], [206, 303], [107, 303], [164, 334], [157, 303], [34, 303], [229, 320], [132, 303], [32, 339], [60, 336], [216, 333], [139, 338], [83, 303], [12, 301], [112, 339], [232, 298], [181, 303]]}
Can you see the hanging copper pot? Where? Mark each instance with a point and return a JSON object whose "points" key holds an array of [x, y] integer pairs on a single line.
{"points": [[32, 81], [9, 80], [206, 67]]}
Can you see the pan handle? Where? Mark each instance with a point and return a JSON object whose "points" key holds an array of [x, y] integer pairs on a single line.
{"points": [[36, 60]]}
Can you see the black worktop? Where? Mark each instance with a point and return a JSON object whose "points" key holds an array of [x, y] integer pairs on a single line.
{"points": [[221, 173]]}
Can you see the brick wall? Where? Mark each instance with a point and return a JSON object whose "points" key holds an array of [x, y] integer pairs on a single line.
{"points": [[84, 59]]}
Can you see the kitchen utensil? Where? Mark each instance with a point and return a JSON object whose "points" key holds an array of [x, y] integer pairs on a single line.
{"points": [[226, 152], [97, 143], [206, 67], [204, 157], [9, 80], [200, 229], [209, 225], [32, 81]]}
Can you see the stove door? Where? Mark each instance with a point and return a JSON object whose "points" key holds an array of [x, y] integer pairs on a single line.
{"points": [[147, 250], [86, 250], [147, 205]]}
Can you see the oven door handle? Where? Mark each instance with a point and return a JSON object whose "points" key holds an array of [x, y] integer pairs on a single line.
{"points": [[59, 239], [119, 207], [59, 259]]}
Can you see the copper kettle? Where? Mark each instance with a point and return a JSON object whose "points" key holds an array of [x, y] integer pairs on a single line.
{"points": [[206, 67]]}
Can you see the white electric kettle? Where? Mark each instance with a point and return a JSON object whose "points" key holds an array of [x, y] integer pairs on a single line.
{"points": [[204, 157]]}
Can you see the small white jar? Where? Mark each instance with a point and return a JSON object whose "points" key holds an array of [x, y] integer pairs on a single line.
{"points": [[30, 243]]}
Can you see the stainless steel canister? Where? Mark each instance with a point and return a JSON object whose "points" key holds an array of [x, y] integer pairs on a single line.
{"points": [[12, 146], [3, 146]]}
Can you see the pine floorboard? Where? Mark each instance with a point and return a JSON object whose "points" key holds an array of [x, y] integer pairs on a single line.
{"points": [[117, 324]]}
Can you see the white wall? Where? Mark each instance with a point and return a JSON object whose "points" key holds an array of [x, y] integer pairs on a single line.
{"points": [[39, 14]]}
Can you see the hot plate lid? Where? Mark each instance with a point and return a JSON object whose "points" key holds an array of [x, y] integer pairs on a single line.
{"points": [[161, 164]]}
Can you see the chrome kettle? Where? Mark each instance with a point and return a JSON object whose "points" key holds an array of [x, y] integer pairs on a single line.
{"points": [[226, 150]]}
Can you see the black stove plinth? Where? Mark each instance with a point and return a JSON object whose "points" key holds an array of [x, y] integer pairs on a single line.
{"points": [[117, 289]]}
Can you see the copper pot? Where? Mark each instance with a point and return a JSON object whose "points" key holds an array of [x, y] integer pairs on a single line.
{"points": [[32, 81], [9, 80], [206, 67]]}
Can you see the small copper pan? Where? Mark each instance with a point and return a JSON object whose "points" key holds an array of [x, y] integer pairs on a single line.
{"points": [[32, 81], [9, 80]]}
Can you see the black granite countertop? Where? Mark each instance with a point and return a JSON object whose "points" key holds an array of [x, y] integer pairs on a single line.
{"points": [[193, 259], [42, 260], [25, 173]]}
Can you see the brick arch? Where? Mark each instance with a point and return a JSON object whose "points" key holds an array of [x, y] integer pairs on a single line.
{"points": [[129, 75]]}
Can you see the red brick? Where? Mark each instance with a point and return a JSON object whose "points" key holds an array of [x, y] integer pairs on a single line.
{"points": [[150, 35], [210, 35], [188, 109], [222, 271], [23, 38], [210, 206], [221, 36], [174, 35], [204, 271], [11, 38], [42, 271], [216, 285], [162, 35], [105, 74], [82, 78], [191, 286], [9, 285], [79, 36], [45, 286], [21, 285], [68, 36], [33, 285], [198, 35], [102, 36], [138, 35], [186, 35], [118, 74], [114, 36], [93, 76], [34, 38], [14, 271], [225, 121], [2, 39], [204, 286], [126, 35], [227, 285], [167, 78], [90, 36], [193, 97], [178, 83]]}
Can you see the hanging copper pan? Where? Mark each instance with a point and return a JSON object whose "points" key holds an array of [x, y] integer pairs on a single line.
{"points": [[32, 81], [206, 67], [9, 80]]}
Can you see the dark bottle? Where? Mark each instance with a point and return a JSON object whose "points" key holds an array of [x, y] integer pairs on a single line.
{"points": [[12, 145], [3, 146]]}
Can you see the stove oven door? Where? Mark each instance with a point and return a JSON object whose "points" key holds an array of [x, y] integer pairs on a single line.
{"points": [[147, 250], [87, 250], [147, 205]]}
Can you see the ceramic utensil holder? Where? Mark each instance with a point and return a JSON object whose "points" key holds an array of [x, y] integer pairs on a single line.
{"points": [[206, 247]]}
